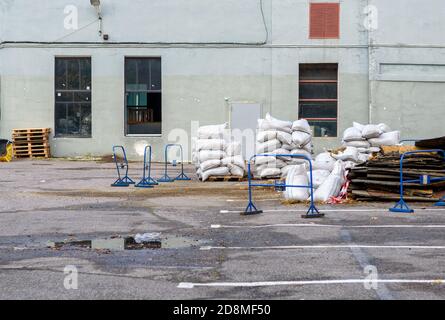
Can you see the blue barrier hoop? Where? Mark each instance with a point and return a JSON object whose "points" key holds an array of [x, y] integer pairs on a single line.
{"points": [[252, 209], [182, 176], [147, 181], [126, 180], [402, 206]]}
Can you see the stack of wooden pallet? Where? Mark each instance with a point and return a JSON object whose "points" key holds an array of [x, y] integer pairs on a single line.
{"points": [[31, 143], [379, 178]]}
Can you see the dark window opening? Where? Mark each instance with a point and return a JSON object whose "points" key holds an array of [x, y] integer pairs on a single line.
{"points": [[73, 97], [143, 96], [318, 98]]}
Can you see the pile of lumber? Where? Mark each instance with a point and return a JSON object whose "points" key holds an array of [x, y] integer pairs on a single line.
{"points": [[379, 178], [31, 143]]}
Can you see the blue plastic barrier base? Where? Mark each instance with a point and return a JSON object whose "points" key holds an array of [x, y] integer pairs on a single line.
{"points": [[165, 178], [182, 177], [144, 184], [120, 183], [128, 180], [441, 203], [312, 213], [401, 207], [251, 210]]}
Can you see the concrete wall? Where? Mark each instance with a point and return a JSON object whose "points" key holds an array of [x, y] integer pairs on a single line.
{"points": [[197, 77]]}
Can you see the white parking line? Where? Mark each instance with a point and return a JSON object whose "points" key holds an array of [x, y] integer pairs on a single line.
{"points": [[313, 225], [191, 285], [206, 248]]}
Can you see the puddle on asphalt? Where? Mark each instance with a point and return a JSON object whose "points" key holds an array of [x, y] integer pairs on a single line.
{"points": [[127, 243]]}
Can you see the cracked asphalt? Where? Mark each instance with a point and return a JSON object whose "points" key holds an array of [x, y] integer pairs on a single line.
{"points": [[55, 200]]}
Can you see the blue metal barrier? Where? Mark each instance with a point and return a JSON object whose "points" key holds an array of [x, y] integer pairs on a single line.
{"points": [[252, 209], [147, 181], [124, 181], [182, 176], [402, 206]]}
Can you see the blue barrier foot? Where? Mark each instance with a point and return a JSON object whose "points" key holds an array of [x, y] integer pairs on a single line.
{"points": [[182, 177], [251, 210], [128, 180], [144, 183], [120, 183], [312, 213], [165, 178], [441, 203], [401, 207]]}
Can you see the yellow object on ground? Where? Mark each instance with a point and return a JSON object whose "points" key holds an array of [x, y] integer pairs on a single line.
{"points": [[8, 156]]}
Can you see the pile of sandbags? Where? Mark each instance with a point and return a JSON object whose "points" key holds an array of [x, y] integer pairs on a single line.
{"points": [[361, 141], [215, 154], [326, 183], [277, 137]]}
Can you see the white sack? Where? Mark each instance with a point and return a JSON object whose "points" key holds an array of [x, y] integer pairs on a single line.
{"points": [[212, 132], [357, 144], [384, 128], [302, 125], [324, 161], [267, 125], [269, 172], [332, 185], [236, 160], [233, 149], [352, 134], [210, 144], [358, 126], [373, 150], [236, 171], [371, 131], [364, 157], [301, 138], [221, 171], [278, 123], [285, 170], [318, 177], [289, 147], [349, 154], [264, 136], [297, 176], [205, 155], [209, 164], [284, 137], [268, 146], [386, 139]]}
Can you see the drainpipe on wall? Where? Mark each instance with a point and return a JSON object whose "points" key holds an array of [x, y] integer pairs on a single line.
{"points": [[370, 64]]}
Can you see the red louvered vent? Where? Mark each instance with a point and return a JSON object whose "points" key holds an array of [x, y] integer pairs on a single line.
{"points": [[324, 21]]}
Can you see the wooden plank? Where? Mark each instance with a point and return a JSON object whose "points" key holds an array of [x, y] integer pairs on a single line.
{"points": [[225, 179]]}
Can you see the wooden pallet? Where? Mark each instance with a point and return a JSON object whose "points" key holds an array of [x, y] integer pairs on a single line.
{"points": [[30, 137], [226, 179], [31, 131], [33, 154], [31, 143]]}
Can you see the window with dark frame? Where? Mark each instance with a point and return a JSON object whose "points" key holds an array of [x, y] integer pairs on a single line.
{"points": [[73, 97], [324, 21], [318, 97], [143, 96]]}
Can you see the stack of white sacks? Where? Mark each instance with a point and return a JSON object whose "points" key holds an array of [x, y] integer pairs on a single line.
{"points": [[361, 141], [281, 137], [330, 169], [326, 183], [215, 154]]}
